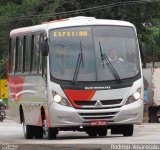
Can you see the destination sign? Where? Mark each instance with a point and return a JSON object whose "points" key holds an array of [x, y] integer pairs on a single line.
{"points": [[70, 34]]}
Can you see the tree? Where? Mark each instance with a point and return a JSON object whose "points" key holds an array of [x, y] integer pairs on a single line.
{"points": [[153, 43], [19, 13]]}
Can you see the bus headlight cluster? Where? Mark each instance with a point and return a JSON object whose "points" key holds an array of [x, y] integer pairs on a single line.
{"points": [[137, 95], [57, 98], [60, 100], [134, 97]]}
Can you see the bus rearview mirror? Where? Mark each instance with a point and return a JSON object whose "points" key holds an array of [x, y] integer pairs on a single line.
{"points": [[44, 48]]}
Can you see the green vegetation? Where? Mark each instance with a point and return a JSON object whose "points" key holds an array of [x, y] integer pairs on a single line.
{"points": [[19, 13]]}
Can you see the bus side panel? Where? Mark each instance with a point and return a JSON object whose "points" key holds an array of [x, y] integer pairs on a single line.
{"points": [[29, 92], [15, 86]]}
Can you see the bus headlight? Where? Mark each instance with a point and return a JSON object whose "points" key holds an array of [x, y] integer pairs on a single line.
{"points": [[57, 98], [60, 100], [64, 102], [137, 95], [134, 97]]}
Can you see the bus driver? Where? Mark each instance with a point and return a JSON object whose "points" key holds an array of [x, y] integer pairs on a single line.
{"points": [[113, 57]]}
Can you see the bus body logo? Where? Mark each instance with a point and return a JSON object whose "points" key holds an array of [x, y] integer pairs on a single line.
{"points": [[98, 104], [98, 88]]}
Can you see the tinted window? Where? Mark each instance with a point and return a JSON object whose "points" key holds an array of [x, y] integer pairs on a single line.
{"points": [[11, 54], [28, 54], [36, 53], [19, 50], [90, 49]]}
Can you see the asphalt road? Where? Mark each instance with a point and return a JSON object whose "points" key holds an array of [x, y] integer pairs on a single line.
{"points": [[11, 138]]}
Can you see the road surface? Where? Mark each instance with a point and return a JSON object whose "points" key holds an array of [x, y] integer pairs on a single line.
{"points": [[11, 136]]}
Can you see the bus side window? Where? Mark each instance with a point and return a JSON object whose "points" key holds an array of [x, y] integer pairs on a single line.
{"points": [[24, 52], [41, 39], [28, 54], [11, 55], [36, 54], [18, 59], [43, 60], [16, 55], [32, 52]]}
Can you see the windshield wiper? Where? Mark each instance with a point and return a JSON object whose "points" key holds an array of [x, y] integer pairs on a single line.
{"points": [[108, 64], [79, 61], [81, 53]]}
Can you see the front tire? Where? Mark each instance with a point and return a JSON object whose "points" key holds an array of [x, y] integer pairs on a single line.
{"points": [[91, 131], [127, 130], [102, 131], [52, 133]]}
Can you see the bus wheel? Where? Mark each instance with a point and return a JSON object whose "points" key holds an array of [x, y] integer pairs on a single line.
{"points": [[52, 133], [102, 131], [91, 131], [28, 131], [127, 130]]}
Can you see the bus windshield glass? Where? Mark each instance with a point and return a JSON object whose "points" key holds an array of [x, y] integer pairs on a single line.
{"points": [[93, 53]]}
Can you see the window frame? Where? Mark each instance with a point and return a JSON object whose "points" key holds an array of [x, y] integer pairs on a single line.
{"points": [[14, 53]]}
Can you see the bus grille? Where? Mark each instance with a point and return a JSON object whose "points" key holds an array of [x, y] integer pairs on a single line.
{"points": [[110, 107], [90, 116], [104, 103]]}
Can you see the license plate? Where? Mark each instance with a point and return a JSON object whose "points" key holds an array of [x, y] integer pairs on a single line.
{"points": [[99, 123]]}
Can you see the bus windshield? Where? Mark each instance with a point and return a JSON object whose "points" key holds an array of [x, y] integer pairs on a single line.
{"points": [[93, 53]]}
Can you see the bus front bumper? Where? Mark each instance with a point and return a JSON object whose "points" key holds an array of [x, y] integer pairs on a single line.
{"points": [[62, 116]]}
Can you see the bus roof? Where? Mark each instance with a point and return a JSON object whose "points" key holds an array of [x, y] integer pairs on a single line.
{"points": [[69, 22]]}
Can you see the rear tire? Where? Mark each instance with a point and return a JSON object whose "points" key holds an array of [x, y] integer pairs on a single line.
{"points": [[28, 131]]}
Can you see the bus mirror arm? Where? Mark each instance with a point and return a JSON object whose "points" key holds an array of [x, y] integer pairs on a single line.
{"points": [[44, 48]]}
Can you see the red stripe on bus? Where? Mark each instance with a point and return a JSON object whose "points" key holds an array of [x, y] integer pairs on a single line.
{"points": [[79, 95], [46, 117], [39, 121], [14, 89]]}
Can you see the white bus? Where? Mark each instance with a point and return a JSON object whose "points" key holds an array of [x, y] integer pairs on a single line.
{"points": [[62, 77]]}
